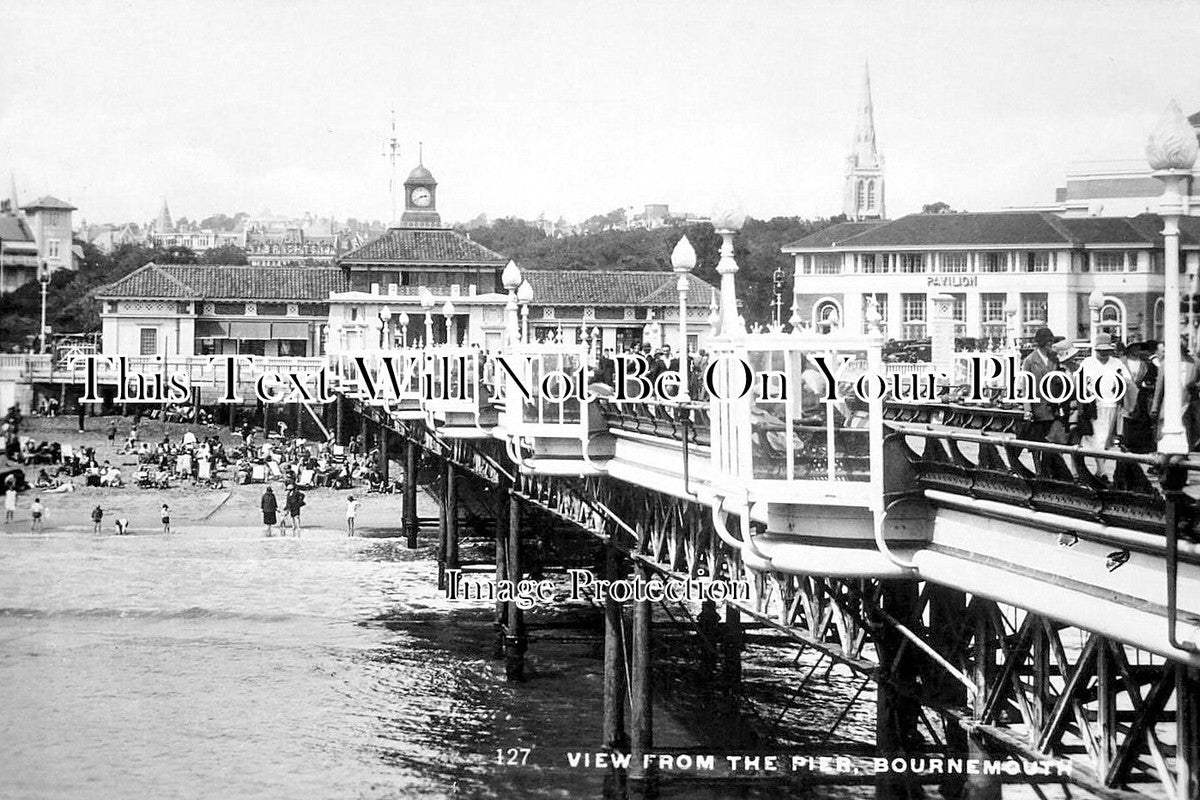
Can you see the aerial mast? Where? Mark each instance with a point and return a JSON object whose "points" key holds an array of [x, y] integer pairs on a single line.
{"points": [[392, 151]]}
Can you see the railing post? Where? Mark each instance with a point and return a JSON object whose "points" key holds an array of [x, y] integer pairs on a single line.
{"points": [[501, 536], [384, 436], [451, 516]]}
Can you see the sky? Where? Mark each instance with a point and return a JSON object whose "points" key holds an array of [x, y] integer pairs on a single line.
{"points": [[574, 108]]}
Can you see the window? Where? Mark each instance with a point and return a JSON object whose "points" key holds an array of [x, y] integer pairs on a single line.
{"points": [[870, 194], [1158, 319], [870, 264], [272, 309], [912, 262], [992, 322], [954, 262], [293, 347], [858, 195], [52, 248], [912, 316], [252, 347], [826, 316], [1112, 319], [229, 309], [960, 314], [827, 264], [1033, 313], [1108, 261], [1037, 261], [148, 341], [994, 262]]}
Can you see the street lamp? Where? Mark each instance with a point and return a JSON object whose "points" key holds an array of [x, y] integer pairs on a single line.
{"points": [[44, 279], [727, 222], [448, 313], [511, 279], [385, 316], [525, 297], [1171, 150], [683, 261], [427, 303]]}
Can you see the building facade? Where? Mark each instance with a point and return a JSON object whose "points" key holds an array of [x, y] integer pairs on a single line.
{"points": [[1007, 272], [38, 233]]}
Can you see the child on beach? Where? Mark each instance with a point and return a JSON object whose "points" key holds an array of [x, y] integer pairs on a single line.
{"points": [[97, 516], [35, 515], [10, 503], [166, 518], [351, 510]]}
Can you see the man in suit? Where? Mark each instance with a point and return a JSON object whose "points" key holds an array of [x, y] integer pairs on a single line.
{"points": [[1040, 415]]}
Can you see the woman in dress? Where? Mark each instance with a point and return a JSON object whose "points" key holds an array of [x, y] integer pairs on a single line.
{"points": [[270, 508]]}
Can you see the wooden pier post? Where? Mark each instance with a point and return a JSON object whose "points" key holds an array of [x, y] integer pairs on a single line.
{"points": [[896, 713], [1187, 720], [641, 722], [708, 625], [441, 544], [515, 642], [614, 735], [409, 510], [981, 787], [451, 516]]}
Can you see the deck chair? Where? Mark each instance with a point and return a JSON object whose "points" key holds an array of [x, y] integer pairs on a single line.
{"points": [[258, 473], [305, 480]]}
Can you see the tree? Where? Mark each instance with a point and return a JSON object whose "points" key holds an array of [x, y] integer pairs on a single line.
{"points": [[937, 208], [179, 254], [225, 254]]}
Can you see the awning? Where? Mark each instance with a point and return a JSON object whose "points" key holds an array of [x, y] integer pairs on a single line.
{"points": [[289, 330], [239, 329], [212, 329]]}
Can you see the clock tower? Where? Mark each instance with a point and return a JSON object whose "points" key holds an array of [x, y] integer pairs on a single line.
{"points": [[420, 200]]}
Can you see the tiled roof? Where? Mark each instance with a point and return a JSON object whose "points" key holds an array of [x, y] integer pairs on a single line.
{"points": [[424, 246], [612, 288], [1109, 230], [999, 228], [46, 201], [833, 235], [200, 281], [14, 229]]}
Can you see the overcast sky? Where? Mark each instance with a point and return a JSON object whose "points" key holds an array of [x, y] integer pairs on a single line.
{"points": [[573, 108]]}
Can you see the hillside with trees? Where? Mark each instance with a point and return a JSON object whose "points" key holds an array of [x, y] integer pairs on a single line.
{"points": [[756, 249]]}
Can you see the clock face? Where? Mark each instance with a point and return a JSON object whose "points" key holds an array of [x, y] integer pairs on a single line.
{"points": [[421, 196]]}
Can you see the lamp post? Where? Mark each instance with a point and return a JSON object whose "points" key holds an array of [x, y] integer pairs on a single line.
{"points": [[1171, 150], [511, 279], [385, 317], [727, 222], [525, 297], [427, 303], [683, 261], [448, 313], [44, 279]]}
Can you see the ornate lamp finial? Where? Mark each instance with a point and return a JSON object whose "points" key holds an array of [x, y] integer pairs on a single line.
{"points": [[1172, 144], [683, 257], [511, 277]]}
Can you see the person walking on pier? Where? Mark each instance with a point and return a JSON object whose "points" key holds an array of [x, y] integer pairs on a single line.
{"points": [[1040, 415], [270, 508], [351, 511], [1106, 419]]}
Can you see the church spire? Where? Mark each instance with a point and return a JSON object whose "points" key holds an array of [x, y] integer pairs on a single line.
{"points": [[164, 224], [864, 169]]}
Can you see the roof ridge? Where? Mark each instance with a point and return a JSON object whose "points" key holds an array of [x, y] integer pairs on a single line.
{"points": [[1055, 222]]}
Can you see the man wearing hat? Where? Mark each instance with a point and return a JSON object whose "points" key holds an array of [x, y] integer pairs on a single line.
{"points": [[1103, 365], [1040, 415]]}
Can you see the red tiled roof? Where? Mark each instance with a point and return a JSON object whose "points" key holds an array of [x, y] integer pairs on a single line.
{"points": [[612, 288], [423, 246], [208, 282]]}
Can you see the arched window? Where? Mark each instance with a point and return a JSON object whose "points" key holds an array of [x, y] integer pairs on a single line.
{"points": [[858, 195], [1112, 319], [826, 316], [871, 194], [1158, 319]]}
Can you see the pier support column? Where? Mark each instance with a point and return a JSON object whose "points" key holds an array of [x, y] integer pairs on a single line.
{"points": [[299, 419], [708, 626], [641, 722], [443, 502], [732, 648], [501, 536], [896, 713], [409, 510], [451, 516], [949, 635], [339, 425], [384, 435], [515, 642], [981, 787], [614, 659], [1187, 720]]}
